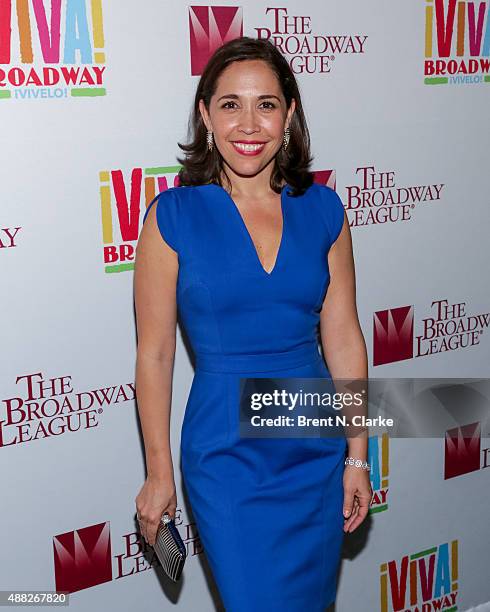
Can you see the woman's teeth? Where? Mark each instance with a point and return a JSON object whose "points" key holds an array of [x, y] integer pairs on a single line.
{"points": [[248, 147]]}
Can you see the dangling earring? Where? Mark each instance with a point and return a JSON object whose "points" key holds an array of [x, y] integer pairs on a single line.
{"points": [[209, 139], [287, 136]]}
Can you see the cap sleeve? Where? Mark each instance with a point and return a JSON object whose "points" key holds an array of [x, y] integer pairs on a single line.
{"points": [[333, 210], [167, 216]]}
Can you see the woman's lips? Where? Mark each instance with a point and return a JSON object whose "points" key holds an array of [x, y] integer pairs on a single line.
{"points": [[248, 148]]}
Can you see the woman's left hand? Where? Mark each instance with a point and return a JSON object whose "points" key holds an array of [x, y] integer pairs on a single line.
{"points": [[357, 496]]}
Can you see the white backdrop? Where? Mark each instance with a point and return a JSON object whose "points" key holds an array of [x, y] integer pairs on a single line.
{"points": [[71, 456]]}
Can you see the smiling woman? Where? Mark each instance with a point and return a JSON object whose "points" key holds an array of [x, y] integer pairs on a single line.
{"points": [[234, 119], [247, 96], [256, 257]]}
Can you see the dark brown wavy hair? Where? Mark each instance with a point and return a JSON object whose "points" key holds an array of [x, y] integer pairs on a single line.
{"points": [[291, 165]]}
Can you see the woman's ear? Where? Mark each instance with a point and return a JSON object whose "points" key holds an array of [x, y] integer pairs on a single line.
{"points": [[204, 114], [291, 109]]}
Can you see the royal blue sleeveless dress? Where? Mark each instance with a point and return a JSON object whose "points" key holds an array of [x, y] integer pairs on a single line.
{"points": [[268, 510]]}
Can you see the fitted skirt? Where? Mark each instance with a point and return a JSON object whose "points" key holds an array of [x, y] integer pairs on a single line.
{"points": [[268, 510]]}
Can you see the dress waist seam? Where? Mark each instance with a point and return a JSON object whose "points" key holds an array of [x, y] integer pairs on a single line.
{"points": [[258, 362]]}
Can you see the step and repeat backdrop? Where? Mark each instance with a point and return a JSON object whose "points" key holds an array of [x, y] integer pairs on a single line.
{"points": [[94, 97]]}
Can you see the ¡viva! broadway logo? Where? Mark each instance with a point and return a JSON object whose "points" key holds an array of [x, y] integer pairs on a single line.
{"points": [[457, 42], [378, 453], [51, 54], [425, 580], [123, 200]]}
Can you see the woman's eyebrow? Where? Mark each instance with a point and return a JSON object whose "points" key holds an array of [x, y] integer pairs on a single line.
{"points": [[261, 97]]}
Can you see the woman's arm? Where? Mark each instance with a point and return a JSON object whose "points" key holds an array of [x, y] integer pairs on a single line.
{"points": [[341, 335], [345, 351], [155, 278]]}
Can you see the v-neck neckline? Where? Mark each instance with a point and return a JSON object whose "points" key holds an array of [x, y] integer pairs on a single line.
{"points": [[246, 231]]}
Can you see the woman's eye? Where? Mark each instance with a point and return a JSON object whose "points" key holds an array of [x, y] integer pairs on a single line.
{"points": [[268, 105]]}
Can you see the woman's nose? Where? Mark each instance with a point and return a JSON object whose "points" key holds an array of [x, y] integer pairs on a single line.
{"points": [[248, 121]]}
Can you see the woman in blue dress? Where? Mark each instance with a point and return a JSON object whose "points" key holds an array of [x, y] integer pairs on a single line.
{"points": [[244, 249]]}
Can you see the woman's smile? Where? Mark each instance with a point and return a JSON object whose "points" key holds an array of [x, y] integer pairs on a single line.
{"points": [[248, 147]]}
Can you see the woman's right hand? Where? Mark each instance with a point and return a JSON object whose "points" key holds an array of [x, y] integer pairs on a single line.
{"points": [[156, 496]]}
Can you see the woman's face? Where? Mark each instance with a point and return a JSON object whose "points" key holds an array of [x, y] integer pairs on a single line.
{"points": [[248, 116]]}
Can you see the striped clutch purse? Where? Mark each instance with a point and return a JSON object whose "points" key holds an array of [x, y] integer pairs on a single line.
{"points": [[170, 548]]}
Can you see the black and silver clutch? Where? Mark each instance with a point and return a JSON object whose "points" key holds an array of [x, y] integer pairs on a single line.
{"points": [[170, 548]]}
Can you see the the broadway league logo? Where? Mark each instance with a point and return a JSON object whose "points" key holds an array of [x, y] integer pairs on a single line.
{"points": [[51, 58], [49, 407], [425, 580], [123, 201], [462, 451], [449, 329], [307, 51], [378, 458], [393, 335], [82, 558], [377, 199], [457, 42], [210, 27]]}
